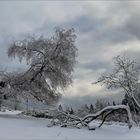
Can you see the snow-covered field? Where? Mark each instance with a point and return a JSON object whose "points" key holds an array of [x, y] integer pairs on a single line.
{"points": [[8, 112], [17, 128]]}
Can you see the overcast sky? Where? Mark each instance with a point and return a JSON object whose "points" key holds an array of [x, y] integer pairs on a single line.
{"points": [[104, 30]]}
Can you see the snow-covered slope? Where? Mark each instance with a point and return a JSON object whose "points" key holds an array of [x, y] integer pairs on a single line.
{"points": [[29, 129]]}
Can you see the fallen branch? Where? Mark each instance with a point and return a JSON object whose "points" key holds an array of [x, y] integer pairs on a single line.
{"points": [[104, 118], [66, 119], [111, 109]]}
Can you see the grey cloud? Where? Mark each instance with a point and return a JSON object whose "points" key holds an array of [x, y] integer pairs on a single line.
{"points": [[101, 33], [132, 26], [96, 65]]}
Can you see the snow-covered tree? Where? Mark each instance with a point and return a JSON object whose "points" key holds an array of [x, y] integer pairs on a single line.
{"points": [[50, 64], [125, 76]]}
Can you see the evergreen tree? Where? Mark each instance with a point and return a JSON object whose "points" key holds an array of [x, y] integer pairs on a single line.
{"points": [[60, 108], [71, 111], [114, 103], [91, 108]]}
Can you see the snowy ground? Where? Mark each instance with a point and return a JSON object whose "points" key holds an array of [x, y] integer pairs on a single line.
{"points": [[17, 128], [8, 112]]}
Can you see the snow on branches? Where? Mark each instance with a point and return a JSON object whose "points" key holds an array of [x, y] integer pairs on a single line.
{"points": [[66, 119], [50, 63]]}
